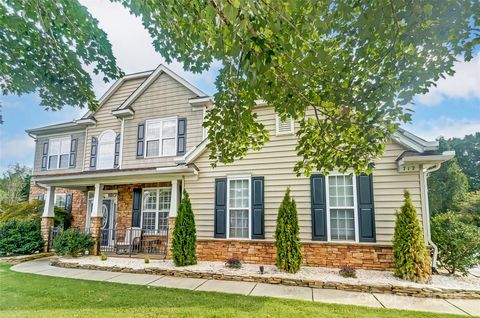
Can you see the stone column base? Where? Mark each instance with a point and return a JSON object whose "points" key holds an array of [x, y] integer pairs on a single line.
{"points": [[46, 227], [171, 226], [96, 232]]}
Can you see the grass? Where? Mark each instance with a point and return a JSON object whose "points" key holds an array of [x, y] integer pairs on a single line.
{"points": [[30, 295]]}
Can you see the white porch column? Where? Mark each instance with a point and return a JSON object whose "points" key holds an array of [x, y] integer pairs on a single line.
{"points": [[47, 222], [97, 201], [96, 218], [174, 199], [48, 211]]}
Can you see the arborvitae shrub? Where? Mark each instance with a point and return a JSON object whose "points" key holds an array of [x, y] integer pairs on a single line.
{"points": [[411, 260], [184, 243], [287, 241]]}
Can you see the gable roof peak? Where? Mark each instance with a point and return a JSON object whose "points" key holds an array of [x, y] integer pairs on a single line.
{"points": [[161, 69]]}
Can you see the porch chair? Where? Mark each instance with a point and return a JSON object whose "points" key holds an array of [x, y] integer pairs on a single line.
{"points": [[130, 242]]}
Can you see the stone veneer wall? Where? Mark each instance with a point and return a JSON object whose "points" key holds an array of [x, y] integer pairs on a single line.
{"points": [[79, 202], [365, 256], [123, 217]]}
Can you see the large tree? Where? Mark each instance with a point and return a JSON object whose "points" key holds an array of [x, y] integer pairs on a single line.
{"points": [[467, 153], [353, 64], [15, 184], [45, 47], [446, 187]]}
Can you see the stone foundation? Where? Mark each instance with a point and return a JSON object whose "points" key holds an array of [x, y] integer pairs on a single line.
{"points": [[365, 256], [171, 226], [96, 226], [46, 225]]}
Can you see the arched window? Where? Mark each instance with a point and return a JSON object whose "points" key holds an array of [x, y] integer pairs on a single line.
{"points": [[106, 150]]}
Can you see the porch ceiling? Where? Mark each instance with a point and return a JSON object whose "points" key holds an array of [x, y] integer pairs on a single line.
{"points": [[81, 180]]}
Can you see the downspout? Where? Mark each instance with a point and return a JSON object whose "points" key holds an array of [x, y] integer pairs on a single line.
{"points": [[426, 173]]}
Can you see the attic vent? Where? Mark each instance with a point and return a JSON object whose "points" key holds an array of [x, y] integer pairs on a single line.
{"points": [[283, 127]]}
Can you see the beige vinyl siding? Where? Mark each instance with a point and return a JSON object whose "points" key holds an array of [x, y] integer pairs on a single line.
{"points": [[104, 117], [165, 97], [275, 162], [37, 164]]}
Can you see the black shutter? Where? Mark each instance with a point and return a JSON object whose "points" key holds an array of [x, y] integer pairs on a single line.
{"points": [[220, 230], [140, 139], [45, 155], [366, 212], [116, 158], [93, 153], [258, 219], [68, 202], [73, 152], [136, 207], [319, 208], [182, 136]]}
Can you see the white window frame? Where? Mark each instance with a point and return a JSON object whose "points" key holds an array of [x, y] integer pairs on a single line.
{"points": [[157, 210], [58, 195], [160, 143], [60, 139], [278, 120], [355, 207], [99, 146], [249, 178]]}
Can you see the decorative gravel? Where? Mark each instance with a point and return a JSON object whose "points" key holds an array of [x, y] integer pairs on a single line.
{"points": [[364, 277]]}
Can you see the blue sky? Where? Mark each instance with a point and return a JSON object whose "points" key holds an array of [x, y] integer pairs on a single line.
{"points": [[450, 110]]}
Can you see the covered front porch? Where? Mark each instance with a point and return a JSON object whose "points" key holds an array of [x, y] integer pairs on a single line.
{"points": [[131, 214]]}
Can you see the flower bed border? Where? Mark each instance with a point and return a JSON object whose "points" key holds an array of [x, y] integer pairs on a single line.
{"points": [[425, 292]]}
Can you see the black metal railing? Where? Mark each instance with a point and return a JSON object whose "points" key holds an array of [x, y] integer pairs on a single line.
{"points": [[124, 241], [134, 240]]}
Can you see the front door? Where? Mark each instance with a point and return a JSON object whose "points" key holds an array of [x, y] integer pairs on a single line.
{"points": [[108, 212]]}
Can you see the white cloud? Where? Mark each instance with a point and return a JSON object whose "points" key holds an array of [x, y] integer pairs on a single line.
{"points": [[444, 127], [464, 84], [132, 46], [19, 147]]}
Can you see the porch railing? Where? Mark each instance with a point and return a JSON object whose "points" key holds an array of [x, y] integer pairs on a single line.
{"points": [[125, 241], [133, 240]]}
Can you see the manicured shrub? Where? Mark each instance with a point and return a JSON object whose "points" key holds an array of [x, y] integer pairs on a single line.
{"points": [[348, 271], [287, 241], [103, 257], [411, 260], [72, 242], [233, 262], [146, 260], [20, 238], [184, 243], [458, 243]]}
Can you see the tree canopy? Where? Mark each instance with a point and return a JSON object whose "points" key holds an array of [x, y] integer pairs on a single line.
{"points": [[467, 153], [353, 65], [45, 47]]}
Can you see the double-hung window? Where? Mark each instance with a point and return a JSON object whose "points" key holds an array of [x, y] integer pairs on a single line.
{"points": [[59, 153], [155, 208], [239, 208], [161, 137], [342, 207], [60, 199]]}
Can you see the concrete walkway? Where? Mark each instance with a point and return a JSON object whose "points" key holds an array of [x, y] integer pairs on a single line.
{"points": [[454, 306]]}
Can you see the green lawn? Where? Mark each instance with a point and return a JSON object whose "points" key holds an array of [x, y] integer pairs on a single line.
{"points": [[29, 295]]}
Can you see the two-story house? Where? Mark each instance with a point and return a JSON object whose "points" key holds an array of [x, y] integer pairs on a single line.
{"points": [[125, 166]]}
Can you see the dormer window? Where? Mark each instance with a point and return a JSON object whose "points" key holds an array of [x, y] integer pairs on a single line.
{"points": [[59, 153], [283, 127], [106, 150], [161, 137]]}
